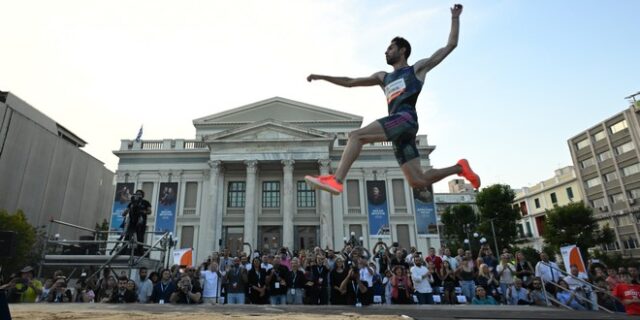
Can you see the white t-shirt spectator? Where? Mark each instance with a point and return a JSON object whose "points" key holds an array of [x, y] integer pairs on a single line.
{"points": [[145, 290], [507, 274], [210, 283], [575, 283], [421, 285], [548, 272], [452, 261], [365, 275]]}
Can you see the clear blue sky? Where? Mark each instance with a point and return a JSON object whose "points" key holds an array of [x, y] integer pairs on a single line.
{"points": [[526, 76]]}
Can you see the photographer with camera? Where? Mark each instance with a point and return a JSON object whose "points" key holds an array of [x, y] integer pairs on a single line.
{"points": [[59, 292], [24, 288], [186, 292], [381, 256], [353, 288], [137, 212]]}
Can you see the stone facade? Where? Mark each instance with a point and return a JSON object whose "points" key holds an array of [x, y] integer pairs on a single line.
{"points": [[249, 164]]}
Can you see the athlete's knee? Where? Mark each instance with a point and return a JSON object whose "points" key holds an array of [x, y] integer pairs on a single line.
{"points": [[416, 182], [357, 135]]}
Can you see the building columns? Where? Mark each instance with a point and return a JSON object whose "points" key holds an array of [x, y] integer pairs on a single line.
{"points": [[288, 205], [211, 220], [326, 229], [250, 217]]}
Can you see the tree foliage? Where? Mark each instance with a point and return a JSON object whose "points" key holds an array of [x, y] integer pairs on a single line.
{"points": [[26, 237], [104, 226], [453, 220], [495, 204], [574, 224]]}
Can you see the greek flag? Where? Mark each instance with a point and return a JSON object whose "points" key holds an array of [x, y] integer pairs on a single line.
{"points": [[139, 135]]}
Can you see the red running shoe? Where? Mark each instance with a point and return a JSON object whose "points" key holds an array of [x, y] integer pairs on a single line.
{"points": [[326, 183], [468, 174]]}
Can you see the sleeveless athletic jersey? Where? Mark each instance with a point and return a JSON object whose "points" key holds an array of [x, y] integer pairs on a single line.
{"points": [[402, 88]]}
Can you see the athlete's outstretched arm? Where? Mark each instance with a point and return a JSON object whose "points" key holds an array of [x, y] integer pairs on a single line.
{"points": [[375, 79], [425, 65]]}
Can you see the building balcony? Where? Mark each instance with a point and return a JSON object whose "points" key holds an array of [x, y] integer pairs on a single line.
{"points": [[162, 145]]}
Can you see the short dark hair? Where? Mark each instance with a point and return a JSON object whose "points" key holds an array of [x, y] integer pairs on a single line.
{"points": [[140, 191], [403, 43]]}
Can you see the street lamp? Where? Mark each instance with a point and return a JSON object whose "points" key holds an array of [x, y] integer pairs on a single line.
{"points": [[493, 231]]}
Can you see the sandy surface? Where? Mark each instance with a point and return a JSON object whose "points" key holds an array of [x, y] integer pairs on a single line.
{"points": [[111, 312], [39, 315], [100, 311]]}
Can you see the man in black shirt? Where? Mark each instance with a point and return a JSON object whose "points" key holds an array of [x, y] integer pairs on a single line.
{"points": [[163, 289], [277, 282], [123, 295], [399, 259], [138, 210], [297, 283], [353, 288]]}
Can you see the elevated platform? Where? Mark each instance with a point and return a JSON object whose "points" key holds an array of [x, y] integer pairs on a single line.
{"points": [[120, 261]]}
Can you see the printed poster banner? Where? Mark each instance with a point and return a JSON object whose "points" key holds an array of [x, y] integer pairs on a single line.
{"points": [[571, 255], [120, 203], [378, 210], [426, 222], [183, 257], [166, 217]]}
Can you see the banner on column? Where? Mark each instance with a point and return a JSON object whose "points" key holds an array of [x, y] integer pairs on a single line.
{"points": [[183, 257], [166, 217], [378, 210], [426, 221], [571, 255], [120, 203]]}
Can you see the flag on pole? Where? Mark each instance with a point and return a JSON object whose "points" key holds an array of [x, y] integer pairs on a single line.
{"points": [[139, 134]]}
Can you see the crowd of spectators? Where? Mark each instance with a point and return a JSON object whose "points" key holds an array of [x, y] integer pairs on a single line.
{"points": [[353, 276]]}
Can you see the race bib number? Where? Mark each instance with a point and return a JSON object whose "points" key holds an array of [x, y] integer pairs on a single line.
{"points": [[394, 89], [293, 291], [277, 285]]}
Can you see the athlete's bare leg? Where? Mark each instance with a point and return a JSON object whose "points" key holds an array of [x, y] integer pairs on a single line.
{"points": [[358, 138], [418, 178]]}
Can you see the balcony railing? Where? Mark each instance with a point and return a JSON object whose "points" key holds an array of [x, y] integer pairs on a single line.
{"points": [[167, 144]]}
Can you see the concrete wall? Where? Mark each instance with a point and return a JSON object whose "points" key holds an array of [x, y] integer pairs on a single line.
{"points": [[47, 176]]}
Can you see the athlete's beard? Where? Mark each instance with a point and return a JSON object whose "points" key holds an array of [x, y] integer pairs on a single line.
{"points": [[391, 60]]}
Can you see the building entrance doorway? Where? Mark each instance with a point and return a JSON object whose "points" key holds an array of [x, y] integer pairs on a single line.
{"points": [[306, 237], [269, 239]]}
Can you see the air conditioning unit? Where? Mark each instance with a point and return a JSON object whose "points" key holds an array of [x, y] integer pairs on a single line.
{"points": [[603, 209], [632, 201]]}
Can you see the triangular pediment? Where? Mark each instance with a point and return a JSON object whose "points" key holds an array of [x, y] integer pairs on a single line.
{"points": [[268, 130], [279, 109]]}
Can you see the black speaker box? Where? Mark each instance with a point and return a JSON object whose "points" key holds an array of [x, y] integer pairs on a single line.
{"points": [[7, 244]]}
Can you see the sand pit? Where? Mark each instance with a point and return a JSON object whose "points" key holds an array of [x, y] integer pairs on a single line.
{"points": [[147, 312]]}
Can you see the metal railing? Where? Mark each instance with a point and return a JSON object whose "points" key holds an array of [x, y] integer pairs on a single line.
{"points": [[162, 245], [594, 289]]}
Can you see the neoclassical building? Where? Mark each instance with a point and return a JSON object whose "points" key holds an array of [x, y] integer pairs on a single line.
{"points": [[241, 180]]}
